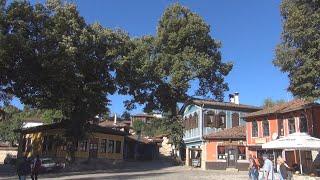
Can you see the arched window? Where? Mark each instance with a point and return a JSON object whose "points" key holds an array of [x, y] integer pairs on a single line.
{"points": [[254, 128], [235, 119], [303, 123], [222, 120], [291, 125], [265, 126]]}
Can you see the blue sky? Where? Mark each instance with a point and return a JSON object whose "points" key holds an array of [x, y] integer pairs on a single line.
{"points": [[249, 31]]}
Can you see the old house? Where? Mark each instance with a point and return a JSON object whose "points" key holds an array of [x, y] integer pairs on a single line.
{"points": [[49, 140], [279, 121], [203, 117]]}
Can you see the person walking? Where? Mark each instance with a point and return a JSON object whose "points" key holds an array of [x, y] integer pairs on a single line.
{"points": [[253, 170], [22, 168], [36, 165], [268, 173]]}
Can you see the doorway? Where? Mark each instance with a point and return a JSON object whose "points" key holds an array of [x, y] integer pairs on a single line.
{"points": [[232, 158]]}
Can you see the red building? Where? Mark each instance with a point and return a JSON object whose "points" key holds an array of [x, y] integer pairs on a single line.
{"points": [[279, 121]]}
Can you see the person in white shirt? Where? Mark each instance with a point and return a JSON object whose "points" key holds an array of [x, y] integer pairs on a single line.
{"points": [[267, 168]]}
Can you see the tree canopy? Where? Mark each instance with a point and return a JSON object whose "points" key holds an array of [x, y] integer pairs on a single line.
{"points": [[52, 59], [159, 69], [298, 54], [268, 102]]}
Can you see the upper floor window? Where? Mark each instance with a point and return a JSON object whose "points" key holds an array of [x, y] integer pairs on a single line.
{"points": [[235, 119], [195, 119], [303, 123], [265, 126], [280, 127], [291, 125], [209, 119], [222, 120], [254, 128]]}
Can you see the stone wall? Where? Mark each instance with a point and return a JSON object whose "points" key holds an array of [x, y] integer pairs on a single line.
{"points": [[7, 150]]}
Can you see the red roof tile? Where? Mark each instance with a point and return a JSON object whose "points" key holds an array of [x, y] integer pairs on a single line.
{"points": [[283, 108], [238, 132]]}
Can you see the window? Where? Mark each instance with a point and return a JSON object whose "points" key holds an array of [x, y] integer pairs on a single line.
{"points": [[93, 146], [221, 152], [292, 126], [83, 145], [235, 119], [195, 116], [222, 120], [118, 146], [254, 128], [111, 146], [44, 144], [303, 123], [209, 119], [241, 152], [103, 146], [280, 127], [265, 125]]}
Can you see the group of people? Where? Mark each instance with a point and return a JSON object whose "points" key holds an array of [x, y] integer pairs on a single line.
{"points": [[267, 170], [26, 166]]}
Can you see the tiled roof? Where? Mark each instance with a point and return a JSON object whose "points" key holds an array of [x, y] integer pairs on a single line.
{"points": [[238, 132], [283, 108], [64, 124], [224, 105]]}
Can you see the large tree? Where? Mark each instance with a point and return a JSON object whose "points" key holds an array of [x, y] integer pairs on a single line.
{"points": [[299, 52], [55, 60], [159, 70]]}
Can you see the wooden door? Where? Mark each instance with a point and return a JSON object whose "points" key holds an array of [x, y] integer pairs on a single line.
{"points": [[232, 157]]}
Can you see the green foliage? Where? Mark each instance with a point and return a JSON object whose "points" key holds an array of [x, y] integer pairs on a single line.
{"points": [[49, 116], [126, 115], [159, 69], [268, 102], [138, 126], [298, 53], [52, 59], [12, 121], [155, 127]]}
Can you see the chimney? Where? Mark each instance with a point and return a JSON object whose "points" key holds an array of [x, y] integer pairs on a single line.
{"points": [[115, 118], [236, 98], [231, 98]]}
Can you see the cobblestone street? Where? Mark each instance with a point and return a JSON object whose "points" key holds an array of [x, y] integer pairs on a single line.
{"points": [[145, 170]]}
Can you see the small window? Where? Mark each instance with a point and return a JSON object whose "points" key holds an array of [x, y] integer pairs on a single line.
{"points": [[241, 152], [235, 119], [254, 128], [221, 152], [280, 127], [222, 120], [265, 125], [103, 146], [303, 123], [118, 146], [111, 146], [83, 146], [292, 126]]}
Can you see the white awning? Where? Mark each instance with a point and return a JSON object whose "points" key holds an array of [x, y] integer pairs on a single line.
{"points": [[296, 141]]}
